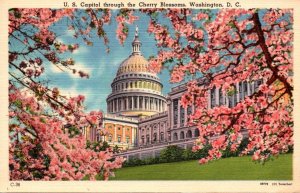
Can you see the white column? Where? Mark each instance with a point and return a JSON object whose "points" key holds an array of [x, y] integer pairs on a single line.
{"points": [[143, 100], [252, 85], [127, 103], [248, 88], [237, 85], [178, 113], [115, 133], [138, 102], [223, 98]]}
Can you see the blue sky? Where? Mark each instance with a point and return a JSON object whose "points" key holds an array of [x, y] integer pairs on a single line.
{"points": [[102, 67]]}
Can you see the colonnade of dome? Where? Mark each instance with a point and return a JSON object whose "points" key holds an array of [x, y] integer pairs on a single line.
{"points": [[136, 91]]}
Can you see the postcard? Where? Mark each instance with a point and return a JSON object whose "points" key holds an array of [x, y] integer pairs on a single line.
{"points": [[149, 96]]}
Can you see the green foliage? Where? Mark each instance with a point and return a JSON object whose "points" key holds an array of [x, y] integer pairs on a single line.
{"points": [[172, 153], [97, 146], [116, 149]]}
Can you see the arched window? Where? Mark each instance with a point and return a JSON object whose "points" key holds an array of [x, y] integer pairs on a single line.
{"points": [[181, 135], [196, 132], [189, 134], [175, 137]]}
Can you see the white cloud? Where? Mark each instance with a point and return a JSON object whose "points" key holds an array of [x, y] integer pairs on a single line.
{"points": [[56, 69], [69, 33], [78, 66], [81, 50]]}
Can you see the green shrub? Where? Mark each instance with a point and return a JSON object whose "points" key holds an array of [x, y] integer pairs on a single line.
{"points": [[188, 154], [172, 153]]}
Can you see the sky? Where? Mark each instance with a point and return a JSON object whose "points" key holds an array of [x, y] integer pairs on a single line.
{"points": [[102, 67]]}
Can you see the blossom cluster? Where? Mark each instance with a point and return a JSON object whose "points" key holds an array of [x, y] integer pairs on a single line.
{"points": [[236, 46]]}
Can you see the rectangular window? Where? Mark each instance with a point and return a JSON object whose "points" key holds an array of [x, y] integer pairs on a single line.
{"points": [[181, 115], [161, 136], [221, 97], [143, 140], [119, 138], [241, 97], [175, 111], [245, 88], [235, 96], [213, 98]]}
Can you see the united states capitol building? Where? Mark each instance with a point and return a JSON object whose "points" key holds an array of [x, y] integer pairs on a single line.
{"points": [[141, 121]]}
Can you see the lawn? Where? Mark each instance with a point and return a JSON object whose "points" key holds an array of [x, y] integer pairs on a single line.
{"points": [[235, 168]]}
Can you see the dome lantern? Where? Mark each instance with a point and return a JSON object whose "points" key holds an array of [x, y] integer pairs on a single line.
{"points": [[136, 44]]}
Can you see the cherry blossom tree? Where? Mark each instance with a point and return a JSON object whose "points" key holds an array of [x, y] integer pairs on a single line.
{"points": [[46, 139], [225, 48]]}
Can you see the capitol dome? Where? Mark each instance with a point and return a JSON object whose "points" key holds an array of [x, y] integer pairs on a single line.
{"points": [[136, 91], [134, 63]]}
